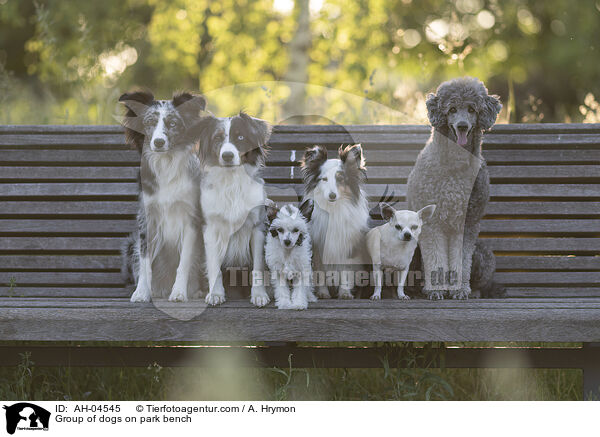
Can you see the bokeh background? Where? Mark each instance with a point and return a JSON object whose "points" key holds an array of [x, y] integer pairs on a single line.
{"points": [[66, 62]]}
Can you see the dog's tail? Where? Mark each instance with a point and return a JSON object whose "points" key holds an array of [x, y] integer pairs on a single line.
{"points": [[129, 259], [482, 272]]}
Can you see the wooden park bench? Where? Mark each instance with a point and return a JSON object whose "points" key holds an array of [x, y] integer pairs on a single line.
{"points": [[68, 199]]}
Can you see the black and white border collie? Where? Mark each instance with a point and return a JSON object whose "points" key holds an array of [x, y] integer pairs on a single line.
{"points": [[233, 151], [166, 254], [341, 212]]}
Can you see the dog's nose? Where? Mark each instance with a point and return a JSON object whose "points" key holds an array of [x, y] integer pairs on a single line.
{"points": [[287, 242], [406, 236], [159, 143], [227, 156], [332, 196], [462, 126]]}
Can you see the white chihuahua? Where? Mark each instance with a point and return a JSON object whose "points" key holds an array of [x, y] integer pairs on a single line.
{"points": [[392, 245]]}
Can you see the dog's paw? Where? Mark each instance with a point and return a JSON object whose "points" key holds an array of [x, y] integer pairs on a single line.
{"points": [[375, 296], [345, 294], [461, 294], [178, 295], [283, 304], [141, 294], [298, 306], [214, 299], [259, 296], [312, 297], [323, 293], [434, 294], [404, 297]]}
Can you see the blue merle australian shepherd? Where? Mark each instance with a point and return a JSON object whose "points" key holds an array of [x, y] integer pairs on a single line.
{"points": [[165, 256]]}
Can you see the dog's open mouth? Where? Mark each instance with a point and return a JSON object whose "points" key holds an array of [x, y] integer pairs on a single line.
{"points": [[461, 136]]}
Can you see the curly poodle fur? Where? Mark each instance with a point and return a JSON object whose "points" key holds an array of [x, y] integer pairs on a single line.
{"points": [[451, 173]]}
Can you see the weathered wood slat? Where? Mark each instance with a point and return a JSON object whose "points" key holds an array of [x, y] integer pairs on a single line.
{"points": [[375, 191], [69, 189], [547, 245], [85, 173], [61, 244], [51, 294], [498, 129], [60, 262], [388, 157], [48, 139], [551, 278], [130, 207], [497, 172], [545, 292], [67, 226], [20, 157], [107, 262], [283, 191], [124, 226], [147, 323], [333, 304], [57, 278], [373, 156], [548, 262], [79, 207]]}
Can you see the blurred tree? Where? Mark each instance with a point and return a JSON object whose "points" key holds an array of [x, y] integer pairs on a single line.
{"points": [[67, 61]]}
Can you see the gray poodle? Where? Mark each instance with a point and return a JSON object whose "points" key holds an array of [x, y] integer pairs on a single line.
{"points": [[451, 173]]}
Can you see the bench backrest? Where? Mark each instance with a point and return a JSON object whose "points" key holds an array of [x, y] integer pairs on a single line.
{"points": [[68, 198]]}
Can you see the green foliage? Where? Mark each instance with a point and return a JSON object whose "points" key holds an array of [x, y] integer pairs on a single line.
{"points": [[65, 64]]}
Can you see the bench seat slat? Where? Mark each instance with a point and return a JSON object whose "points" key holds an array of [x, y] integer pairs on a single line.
{"points": [[412, 321], [61, 244]]}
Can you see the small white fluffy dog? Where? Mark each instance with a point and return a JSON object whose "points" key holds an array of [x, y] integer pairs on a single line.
{"points": [[288, 255], [391, 246]]}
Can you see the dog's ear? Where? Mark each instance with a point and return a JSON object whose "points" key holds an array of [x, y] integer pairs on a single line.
{"points": [[352, 155], [314, 154], [387, 212], [306, 209], [137, 103], [189, 105], [426, 213], [271, 210], [490, 109], [260, 128], [436, 116]]}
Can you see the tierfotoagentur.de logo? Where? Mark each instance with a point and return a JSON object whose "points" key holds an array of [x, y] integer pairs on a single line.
{"points": [[26, 417]]}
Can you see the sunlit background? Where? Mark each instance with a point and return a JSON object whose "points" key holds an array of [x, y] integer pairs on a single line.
{"points": [[66, 62]]}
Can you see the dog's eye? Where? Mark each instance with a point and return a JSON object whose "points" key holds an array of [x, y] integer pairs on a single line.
{"points": [[240, 137], [324, 179], [172, 124], [295, 230], [398, 227], [471, 110], [149, 122], [280, 230], [413, 227], [452, 110]]}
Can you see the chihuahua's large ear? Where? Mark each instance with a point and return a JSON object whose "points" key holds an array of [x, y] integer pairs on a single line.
{"points": [[387, 211], [189, 105], [306, 209], [271, 210], [426, 213], [490, 109], [434, 111]]}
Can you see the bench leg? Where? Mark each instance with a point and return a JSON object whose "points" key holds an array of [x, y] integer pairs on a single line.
{"points": [[591, 371]]}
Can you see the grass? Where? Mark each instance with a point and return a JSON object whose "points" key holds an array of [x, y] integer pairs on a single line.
{"points": [[229, 381]]}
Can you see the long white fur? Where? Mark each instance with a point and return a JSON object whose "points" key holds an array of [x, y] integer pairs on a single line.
{"points": [[290, 263], [232, 200], [337, 228]]}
